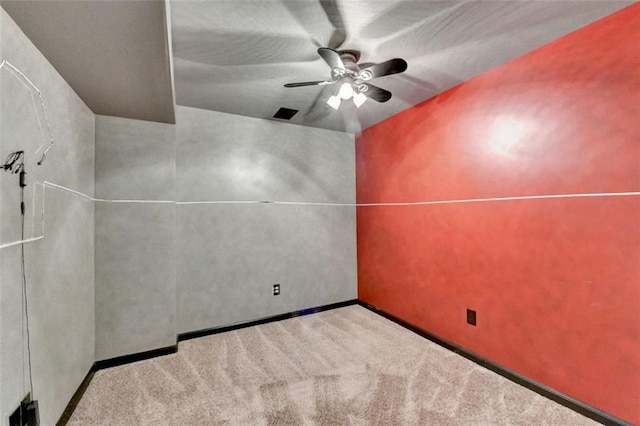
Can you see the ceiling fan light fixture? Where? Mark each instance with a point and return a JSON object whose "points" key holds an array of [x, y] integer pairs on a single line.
{"points": [[346, 91], [359, 99], [334, 102], [351, 80]]}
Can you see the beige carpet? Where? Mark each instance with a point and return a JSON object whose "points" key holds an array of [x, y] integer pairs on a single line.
{"points": [[346, 366]]}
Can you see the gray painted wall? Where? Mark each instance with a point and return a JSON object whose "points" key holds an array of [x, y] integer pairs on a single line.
{"points": [[60, 267], [230, 255], [135, 278], [157, 268], [215, 263], [135, 242], [5, 399]]}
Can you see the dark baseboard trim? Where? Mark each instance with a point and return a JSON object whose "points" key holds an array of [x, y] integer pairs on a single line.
{"points": [[217, 330], [126, 359], [75, 399], [141, 356], [571, 403]]}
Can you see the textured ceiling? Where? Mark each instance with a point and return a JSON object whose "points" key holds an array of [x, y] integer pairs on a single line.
{"points": [[235, 56]]}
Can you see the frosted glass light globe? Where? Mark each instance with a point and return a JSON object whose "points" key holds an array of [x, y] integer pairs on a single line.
{"points": [[346, 91]]}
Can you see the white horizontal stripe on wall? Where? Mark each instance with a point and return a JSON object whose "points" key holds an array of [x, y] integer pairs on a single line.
{"points": [[47, 184]]}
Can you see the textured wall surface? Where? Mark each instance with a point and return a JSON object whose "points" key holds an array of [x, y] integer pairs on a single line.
{"points": [[135, 242], [5, 400], [135, 278], [226, 256], [230, 255], [555, 282], [137, 159], [59, 267]]}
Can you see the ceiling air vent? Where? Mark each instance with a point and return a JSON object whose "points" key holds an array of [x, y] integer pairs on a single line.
{"points": [[285, 113]]}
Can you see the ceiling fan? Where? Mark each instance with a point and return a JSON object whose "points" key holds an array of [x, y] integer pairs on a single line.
{"points": [[353, 77]]}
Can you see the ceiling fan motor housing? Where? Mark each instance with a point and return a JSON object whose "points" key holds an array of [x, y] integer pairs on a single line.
{"points": [[350, 59]]}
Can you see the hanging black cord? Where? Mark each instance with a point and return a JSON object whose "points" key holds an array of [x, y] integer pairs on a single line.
{"points": [[24, 288], [14, 164]]}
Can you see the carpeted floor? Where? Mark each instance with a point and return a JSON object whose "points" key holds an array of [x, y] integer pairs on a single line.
{"points": [[346, 366]]}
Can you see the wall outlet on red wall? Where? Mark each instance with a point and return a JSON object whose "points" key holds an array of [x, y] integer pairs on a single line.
{"points": [[471, 317]]}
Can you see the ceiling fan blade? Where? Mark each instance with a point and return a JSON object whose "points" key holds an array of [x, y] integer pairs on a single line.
{"points": [[331, 57], [308, 83], [392, 66], [376, 93]]}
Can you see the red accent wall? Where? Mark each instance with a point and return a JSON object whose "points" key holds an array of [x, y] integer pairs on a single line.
{"points": [[555, 282]]}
